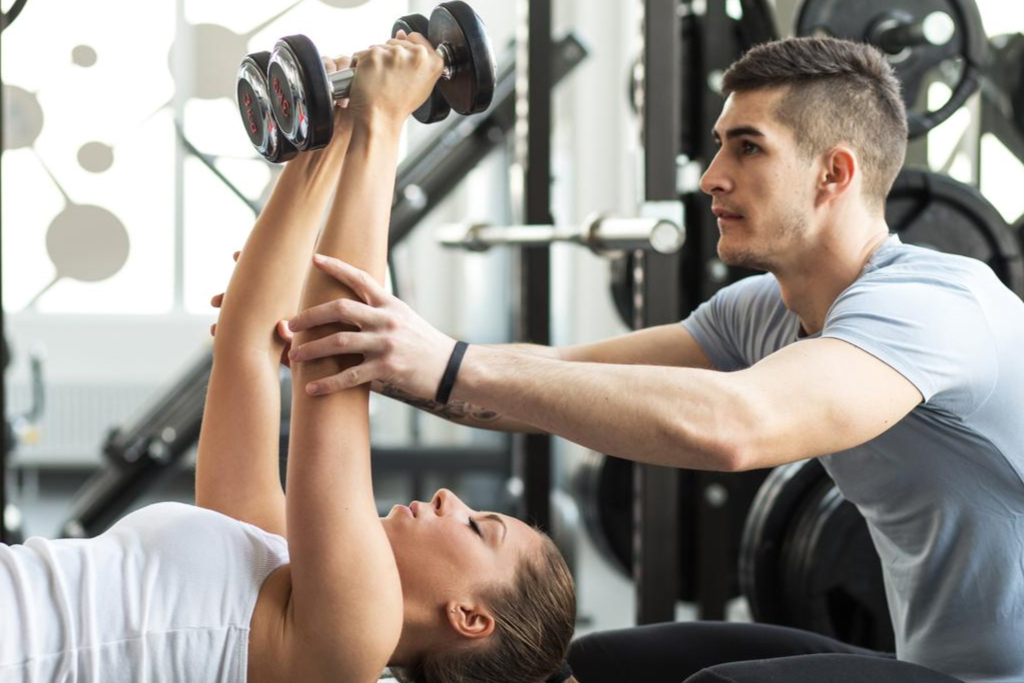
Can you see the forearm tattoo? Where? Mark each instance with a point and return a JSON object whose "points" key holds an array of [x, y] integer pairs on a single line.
{"points": [[456, 411]]}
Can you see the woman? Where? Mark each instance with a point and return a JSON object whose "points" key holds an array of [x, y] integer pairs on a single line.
{"points": [[261, 587]]}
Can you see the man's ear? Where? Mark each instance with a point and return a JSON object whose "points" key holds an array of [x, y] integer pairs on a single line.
{"points": [[470, 620], [839, 169]]}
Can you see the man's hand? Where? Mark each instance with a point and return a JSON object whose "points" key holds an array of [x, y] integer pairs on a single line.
{"points": [[283, 333], [399, 348], [394, 79]]}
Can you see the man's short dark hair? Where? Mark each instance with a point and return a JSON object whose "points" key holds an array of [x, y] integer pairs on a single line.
{"points": [[837, 91]]}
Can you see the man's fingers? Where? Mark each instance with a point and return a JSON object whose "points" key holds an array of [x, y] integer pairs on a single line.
{"points": [[217, 300], [359, 281], [347, 311], [347, 379], [236, 255], [213, 330], [338, 343]]}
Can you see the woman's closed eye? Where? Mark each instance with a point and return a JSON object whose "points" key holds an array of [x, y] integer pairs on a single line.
{"points": [[475, 527]]}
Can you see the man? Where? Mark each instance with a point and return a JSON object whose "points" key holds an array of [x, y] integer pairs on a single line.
{"points": [[897, 364]]}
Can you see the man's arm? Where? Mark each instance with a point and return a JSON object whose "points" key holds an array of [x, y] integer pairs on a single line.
{"points": [[809, 399], [668, 345], [468, 414]]}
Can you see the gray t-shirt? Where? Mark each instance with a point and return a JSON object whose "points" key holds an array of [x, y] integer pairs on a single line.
{"points": [[943, 489]]}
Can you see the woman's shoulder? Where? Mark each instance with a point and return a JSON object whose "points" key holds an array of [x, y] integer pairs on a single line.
{"points": [[280, 653]]}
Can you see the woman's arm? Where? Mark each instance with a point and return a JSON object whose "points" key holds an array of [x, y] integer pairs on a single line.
{"points": [[346, 611], [237, 466]]}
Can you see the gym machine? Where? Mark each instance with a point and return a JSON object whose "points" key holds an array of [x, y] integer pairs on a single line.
{"points": [[141, 453]]}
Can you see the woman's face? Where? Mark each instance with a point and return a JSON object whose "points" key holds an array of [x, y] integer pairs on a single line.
{"points": [[445, 550]]}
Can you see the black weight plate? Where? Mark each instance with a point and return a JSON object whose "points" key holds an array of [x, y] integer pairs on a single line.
{"points": [[253, 98], [471, 87], [300, 95], [833, 578], [932, 210], [857, 20], [436, 107], [761, 546]]}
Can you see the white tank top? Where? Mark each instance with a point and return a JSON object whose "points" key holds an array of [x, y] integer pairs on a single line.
{"points": [[165, 595]]}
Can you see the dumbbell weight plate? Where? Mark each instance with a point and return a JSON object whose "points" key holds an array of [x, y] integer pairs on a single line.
{"points": [[300, 93], [471, 87], [436, 107], [253, 96]]}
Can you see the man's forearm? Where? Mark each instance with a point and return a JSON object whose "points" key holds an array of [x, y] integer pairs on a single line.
{"points": [[679, 417], [469, 414]]}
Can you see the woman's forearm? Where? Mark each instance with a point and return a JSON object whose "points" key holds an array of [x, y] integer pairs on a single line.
{"points": [[267, 281]]}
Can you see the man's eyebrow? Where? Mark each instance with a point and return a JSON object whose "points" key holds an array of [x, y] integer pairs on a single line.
{"points": [[739, 131], [499, 520]]}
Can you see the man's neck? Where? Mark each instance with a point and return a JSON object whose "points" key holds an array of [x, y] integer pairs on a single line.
{"points": [[812, 283]]}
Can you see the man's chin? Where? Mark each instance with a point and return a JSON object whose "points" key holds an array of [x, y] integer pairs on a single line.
{"points": [[740, 258]]}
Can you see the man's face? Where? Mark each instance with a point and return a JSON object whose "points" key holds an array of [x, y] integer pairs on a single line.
{"points": [[762, 188]]}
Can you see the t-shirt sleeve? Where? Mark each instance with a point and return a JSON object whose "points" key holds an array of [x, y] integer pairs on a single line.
{"points": [[935, 334], [721, 324]]}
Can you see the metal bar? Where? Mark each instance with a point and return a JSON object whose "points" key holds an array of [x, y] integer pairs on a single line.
{"points": [[533, 94], [656, 489], [604, 234]]}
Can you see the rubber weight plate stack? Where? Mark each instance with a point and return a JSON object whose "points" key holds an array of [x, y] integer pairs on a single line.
{"points": [[957, 59], [832, 575], [760, 556], [932, 210], [807, 560]]}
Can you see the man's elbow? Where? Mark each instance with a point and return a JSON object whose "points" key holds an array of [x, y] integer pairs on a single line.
{"points": [[740, 446], [736, 455]]}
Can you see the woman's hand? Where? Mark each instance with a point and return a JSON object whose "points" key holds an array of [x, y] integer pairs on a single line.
{"points": [[394, 79], [399, 348]]}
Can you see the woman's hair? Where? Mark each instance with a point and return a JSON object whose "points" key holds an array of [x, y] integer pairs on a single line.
{"points": [[534, 621]]}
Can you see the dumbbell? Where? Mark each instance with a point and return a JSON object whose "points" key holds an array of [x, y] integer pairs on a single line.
{"points": [[253, 95], [302, 94]]}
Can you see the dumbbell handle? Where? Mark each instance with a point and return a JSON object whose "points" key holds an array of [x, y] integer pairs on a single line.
{"points": [[341, 81]]}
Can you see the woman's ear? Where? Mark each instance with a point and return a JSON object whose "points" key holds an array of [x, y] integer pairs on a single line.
{"points": [[470, 620]]}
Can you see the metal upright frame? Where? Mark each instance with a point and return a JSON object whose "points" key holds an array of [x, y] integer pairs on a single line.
{"points": [[656, 489], [4, 535], [533, 151]]}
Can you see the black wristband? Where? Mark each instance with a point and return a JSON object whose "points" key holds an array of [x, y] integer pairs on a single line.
{"points": [[563, 674], [444, 389]]}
